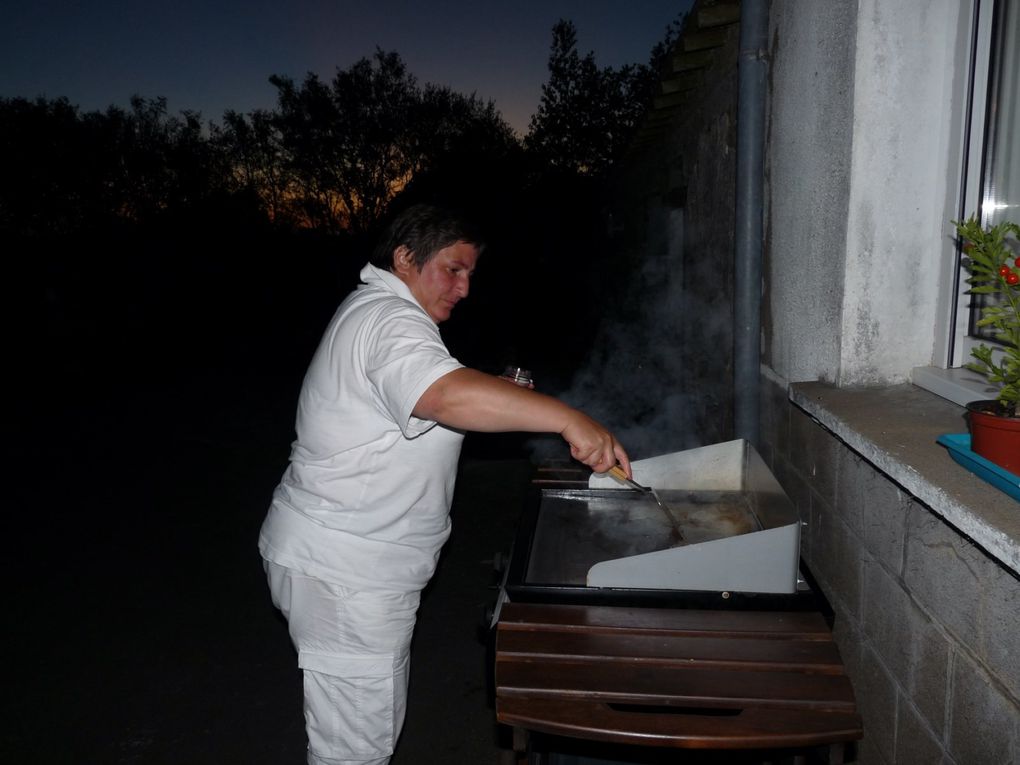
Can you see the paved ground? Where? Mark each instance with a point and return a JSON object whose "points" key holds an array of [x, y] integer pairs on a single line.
{"points": [[140, 627]]}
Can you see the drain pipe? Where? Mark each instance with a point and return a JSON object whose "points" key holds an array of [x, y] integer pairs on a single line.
{"points": [[747, 272]]}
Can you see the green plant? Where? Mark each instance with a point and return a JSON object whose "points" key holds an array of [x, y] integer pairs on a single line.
{"points": [[995, 271]]}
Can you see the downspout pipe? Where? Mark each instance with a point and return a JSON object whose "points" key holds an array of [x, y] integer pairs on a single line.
{"points": [[749, 209]]}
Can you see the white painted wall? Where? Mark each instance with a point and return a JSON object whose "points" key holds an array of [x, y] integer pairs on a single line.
{"points": [[862, 157], [807, 170]]}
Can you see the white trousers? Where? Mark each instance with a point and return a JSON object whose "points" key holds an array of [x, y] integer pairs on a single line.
{"points": [[353, 649]]}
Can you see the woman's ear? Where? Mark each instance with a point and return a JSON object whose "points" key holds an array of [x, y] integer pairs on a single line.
{"points": [[403, 260]]}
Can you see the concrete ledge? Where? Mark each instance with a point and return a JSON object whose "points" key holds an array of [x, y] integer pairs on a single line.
{"points": [[895, 429]]}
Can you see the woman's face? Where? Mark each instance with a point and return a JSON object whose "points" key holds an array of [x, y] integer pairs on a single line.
{"points": [[442, 282]]}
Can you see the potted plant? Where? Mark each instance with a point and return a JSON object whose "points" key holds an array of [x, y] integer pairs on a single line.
{"points": [[994, 268]]}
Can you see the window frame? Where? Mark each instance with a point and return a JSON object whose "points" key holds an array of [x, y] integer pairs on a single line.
{"points": [[948, 377]]}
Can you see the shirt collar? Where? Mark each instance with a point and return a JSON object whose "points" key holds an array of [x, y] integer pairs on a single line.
{"points": [[385, 279]]}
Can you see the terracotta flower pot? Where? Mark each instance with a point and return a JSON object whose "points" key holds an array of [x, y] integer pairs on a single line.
{"points": [[993, 436]]}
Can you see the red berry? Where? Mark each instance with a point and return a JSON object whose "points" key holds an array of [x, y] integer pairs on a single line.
{"points": [[1013, 278], [1017, 262], [1004, 271]]}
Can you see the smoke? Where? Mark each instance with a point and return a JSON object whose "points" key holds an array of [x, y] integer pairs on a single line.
{"points": [[636, 383]]}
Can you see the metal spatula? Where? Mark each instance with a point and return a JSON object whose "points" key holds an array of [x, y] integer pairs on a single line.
{"points": [[618, 473]]}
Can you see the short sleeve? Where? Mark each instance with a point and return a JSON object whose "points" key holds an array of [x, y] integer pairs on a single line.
{"points": [[406, 356]]}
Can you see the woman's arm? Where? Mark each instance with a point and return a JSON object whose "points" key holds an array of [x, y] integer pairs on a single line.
{"points": [[471, 400]]}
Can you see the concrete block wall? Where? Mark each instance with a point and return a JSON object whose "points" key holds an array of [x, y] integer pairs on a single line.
{"points": [[927, 623]]}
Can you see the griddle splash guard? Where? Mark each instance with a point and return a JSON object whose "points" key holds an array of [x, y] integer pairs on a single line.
{"points": [[742, 531]]}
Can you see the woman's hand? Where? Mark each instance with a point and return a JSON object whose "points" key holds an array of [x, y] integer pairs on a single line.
{"points": [[593, 445]]}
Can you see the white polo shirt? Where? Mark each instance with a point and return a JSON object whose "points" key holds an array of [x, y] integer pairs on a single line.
{"points": [[365, 500]]}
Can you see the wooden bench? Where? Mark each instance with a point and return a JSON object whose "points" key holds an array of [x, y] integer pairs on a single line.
{"points": [[676, 678]]}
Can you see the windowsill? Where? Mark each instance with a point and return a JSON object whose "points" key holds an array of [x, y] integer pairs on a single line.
{"points": [[895, 429], [959, 385]]}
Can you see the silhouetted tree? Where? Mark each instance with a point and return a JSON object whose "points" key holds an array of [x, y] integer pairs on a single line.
{"points": [[253, 148], [54, 171], [161, 227], [467, 155], [449, 124], [353, 144], [346, 142], [65, 171], [587, 115], [160, 162]]}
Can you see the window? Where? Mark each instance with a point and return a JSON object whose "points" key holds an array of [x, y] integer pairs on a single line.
{"points": [[990, 186], [1001, 168], [996, 175]]}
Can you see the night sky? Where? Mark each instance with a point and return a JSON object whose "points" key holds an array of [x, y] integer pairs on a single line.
{"points": [[210, 56]]}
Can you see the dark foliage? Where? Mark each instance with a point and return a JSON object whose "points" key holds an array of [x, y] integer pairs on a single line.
{"points": [[588, 115], [151, 244]]}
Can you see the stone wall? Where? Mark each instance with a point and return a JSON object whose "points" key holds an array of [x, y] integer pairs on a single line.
{"points": [[927, 623]]}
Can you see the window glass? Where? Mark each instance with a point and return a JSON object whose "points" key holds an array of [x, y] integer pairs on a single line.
{"points": [[1001, 167]]}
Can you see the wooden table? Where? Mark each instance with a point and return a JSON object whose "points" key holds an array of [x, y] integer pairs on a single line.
{"points": [[687, 679]]}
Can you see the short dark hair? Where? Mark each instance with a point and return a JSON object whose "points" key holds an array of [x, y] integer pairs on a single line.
{"points": [[424, 230]]}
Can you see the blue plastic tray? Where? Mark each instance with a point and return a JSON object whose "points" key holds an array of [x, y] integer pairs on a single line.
{"points": [[1000, 478]]}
